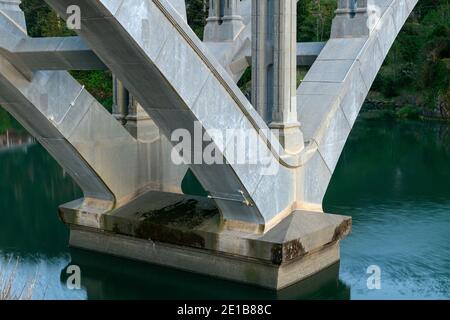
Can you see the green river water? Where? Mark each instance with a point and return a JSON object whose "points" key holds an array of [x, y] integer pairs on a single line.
{"points": [[393, 178]]}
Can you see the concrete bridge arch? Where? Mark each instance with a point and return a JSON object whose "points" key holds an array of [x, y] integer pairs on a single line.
{"points": [[180, 80]]}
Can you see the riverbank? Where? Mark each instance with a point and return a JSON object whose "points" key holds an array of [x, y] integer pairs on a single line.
{"points": [[378, 108], [374, 109]]}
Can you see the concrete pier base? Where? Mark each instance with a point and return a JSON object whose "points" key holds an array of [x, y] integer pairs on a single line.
{"points": [[187, 233]]}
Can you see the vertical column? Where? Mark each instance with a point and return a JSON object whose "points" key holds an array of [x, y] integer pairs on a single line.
{"points": [[351, 19], [224, 21], [11, 9], [284, 111], [351, 7], [213, 21], [130, 113], [139, 124], [274, 69], [232, 22], [120, 100], [132, 118], [262, 57]]}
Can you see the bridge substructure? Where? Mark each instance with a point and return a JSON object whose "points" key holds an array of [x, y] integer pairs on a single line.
{"points": [[260, 221]]}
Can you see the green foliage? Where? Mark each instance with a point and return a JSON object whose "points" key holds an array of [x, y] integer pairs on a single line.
{"points": [[409, 111], [8, 122], [42, 21], [314, 19], [197, 12], [418, 61], [98, 83]]}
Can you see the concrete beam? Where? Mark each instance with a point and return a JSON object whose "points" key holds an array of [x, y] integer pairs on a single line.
{"points": [[307, 52], [59, 53]]}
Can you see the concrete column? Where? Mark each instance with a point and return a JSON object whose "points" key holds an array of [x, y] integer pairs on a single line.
{"points": [[351, 7], [262, 58], [213, 21], [224, 21], [351, 19], [139, 124], [11, 9], [130, 113], [120, 101], [284, 112], [232, 22], [274, 69], [133, 117]]}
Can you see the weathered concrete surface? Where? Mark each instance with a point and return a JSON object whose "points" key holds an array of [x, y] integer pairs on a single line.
{"points": [[207, 263], [333, 91], [186, 233]]}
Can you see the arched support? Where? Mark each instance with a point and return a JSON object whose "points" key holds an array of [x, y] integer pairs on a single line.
{"points": [[83, 137]]}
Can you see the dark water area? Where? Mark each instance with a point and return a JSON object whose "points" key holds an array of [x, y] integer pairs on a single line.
{"points": [[393, 179]]}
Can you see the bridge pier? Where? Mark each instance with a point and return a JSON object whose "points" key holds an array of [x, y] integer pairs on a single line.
{"points": [[186, 233]]}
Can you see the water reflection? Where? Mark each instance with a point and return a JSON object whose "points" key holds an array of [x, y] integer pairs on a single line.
{"points": [[12, 139], [393, 178], [32, 186]]}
